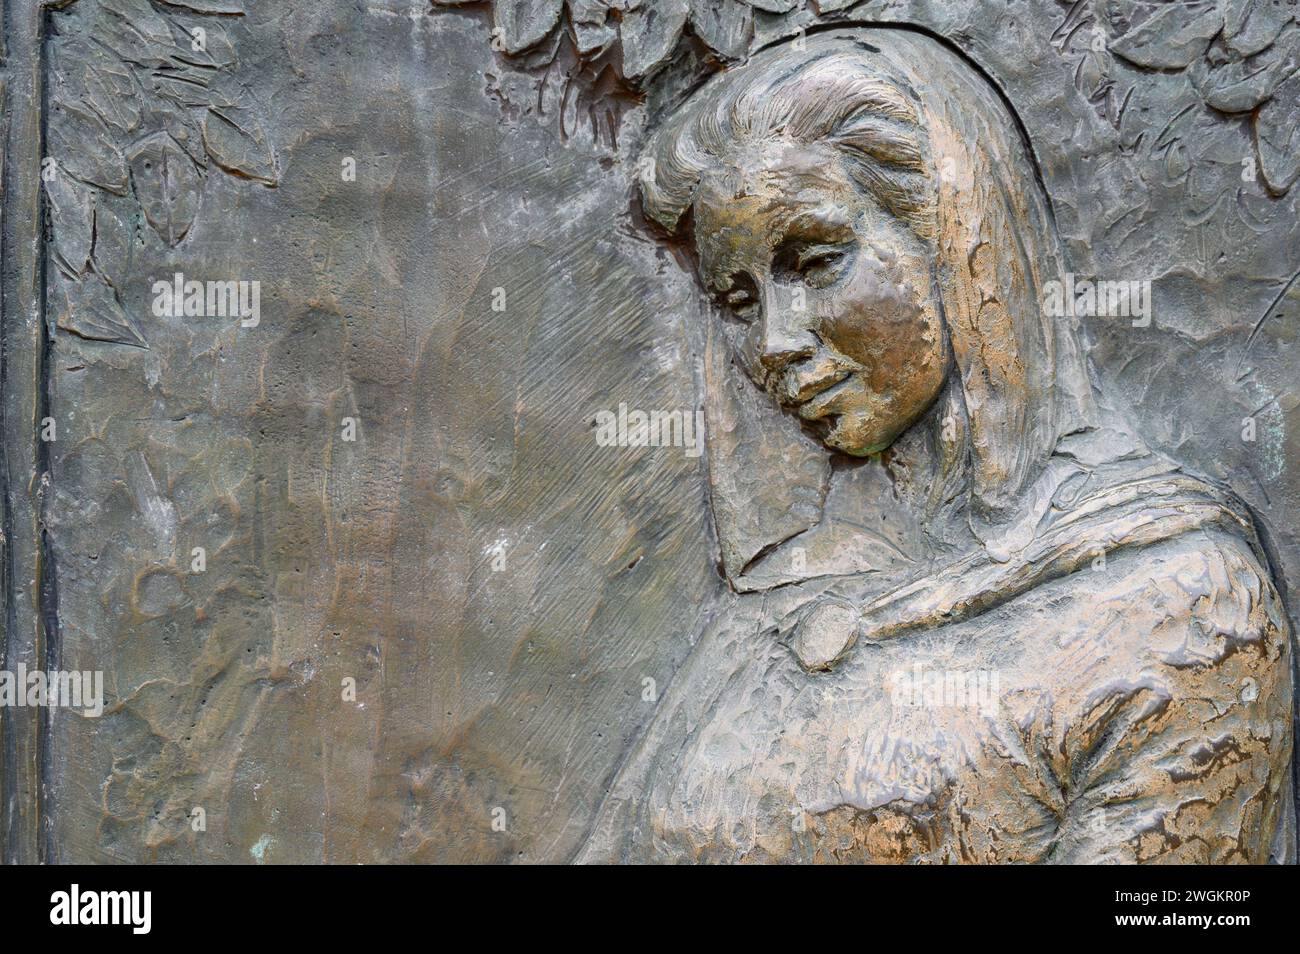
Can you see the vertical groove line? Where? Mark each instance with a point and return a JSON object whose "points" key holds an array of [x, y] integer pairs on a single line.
{"points": [[24, 733]]}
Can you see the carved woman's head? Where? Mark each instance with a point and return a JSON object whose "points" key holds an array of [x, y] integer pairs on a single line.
{"points": [[867, 216]]}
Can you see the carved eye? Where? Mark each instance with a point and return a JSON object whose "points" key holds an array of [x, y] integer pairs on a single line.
{"points": [[742, 303], [820, 265]]}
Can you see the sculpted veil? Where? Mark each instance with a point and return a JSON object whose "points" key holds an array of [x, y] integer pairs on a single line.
{"points": [[971, 617]]}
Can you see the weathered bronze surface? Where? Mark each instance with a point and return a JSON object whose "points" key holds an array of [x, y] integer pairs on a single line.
{"points": [[866, 213], [651, 431]]}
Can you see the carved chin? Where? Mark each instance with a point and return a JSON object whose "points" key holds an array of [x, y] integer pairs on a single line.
{"points": [[856, 435]]}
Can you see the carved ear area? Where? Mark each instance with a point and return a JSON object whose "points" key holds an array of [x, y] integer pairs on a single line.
{"points": [[826, 633]]}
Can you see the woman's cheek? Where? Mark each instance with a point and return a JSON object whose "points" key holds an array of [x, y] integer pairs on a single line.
{"points": [[875, 319], [848, 326]]}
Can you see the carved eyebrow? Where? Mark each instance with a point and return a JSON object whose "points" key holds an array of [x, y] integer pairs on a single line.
{"points": [[820, 219]]}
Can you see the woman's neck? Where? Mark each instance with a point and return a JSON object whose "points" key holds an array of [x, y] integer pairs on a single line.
{"points": [[929, 466]]}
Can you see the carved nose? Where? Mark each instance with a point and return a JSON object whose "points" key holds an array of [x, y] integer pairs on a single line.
{"points": [[783, 345], [786, 337]]}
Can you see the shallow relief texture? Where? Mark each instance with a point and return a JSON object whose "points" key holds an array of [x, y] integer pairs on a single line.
{"points": [[372, 559], [498, 585]]}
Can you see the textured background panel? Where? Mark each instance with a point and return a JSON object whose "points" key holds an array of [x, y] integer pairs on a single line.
{"points": [[476, 169]]}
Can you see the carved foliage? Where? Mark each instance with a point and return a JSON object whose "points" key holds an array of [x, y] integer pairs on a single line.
{"points": [[1240, 56], [647, 30], [145, 103]]}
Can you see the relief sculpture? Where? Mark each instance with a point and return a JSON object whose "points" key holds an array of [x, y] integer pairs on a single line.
{"points": [[649, 431], [1013, 633]]}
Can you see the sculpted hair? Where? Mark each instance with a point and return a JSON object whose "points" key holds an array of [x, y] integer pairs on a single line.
{"points": [[923, 132], [873, 122]]}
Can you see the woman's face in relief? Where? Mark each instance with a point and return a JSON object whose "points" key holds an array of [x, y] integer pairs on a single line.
{"points": [[828, 294]]}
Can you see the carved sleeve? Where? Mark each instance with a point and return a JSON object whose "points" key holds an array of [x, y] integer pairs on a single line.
{"points": [[1174, 750]]}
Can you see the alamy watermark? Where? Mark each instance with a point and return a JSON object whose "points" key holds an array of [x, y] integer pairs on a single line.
{"points": [[77, 907], [180, 298], [637, 428], [55, 689], [946, 688], [1103, 298]]}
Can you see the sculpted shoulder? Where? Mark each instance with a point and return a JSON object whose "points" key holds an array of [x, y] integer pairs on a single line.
{"points": [[1170, 731], [1189, 601]]}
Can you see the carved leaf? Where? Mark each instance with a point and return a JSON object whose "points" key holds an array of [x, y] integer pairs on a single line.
{"points": [[91, 310], [725, 25], [1090, 76], [217, 51], [111, 94], [234, 7], [1172, 38], [1277, 137], [72, 216], [1238, 86], [97, 84], [183, 90], [135, 31], [234, 134], [773, 6], [82, 146], [827, 6], [111, 253], [1233, 87], [594, 40], [521, 23], [1251, 25], [650, 32], [167, 183], [592, 32], [590, 12]]}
